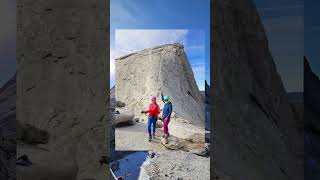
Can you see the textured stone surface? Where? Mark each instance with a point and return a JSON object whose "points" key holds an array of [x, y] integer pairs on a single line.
{"points": [[161, 69], [32, 135], [135, 138], [164, 166], [46, 164], [62, 80], [254, 131], [8, 129], [8, 109], [123, 118], [113, 101]]}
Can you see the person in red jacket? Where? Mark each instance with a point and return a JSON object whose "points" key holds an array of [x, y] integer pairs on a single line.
{"points": [[153, 112]]}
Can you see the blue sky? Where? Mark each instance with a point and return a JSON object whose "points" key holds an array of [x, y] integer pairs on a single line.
{"points": [[312, 34], [186, 21], [7, 40], [283, 21]]}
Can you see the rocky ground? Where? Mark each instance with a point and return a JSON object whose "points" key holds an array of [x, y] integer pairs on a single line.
{"points": [[186, 142], [176, 165], [135, 136], [46, 164]]}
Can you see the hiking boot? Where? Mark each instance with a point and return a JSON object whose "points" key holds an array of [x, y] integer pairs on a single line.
{"points": [[150, 137], [165, 141]]}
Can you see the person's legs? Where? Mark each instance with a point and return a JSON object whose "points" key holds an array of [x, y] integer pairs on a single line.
{"points": [[165, 127], [149, 127], [154, 126]]}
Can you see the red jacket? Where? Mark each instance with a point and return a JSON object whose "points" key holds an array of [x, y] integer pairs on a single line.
{"points": [[154, 110]]}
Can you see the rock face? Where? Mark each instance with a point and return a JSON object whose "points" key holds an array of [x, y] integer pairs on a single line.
{"points": [[312, 96], [312, 122], [62, 85], [161, 69], [8, 109], [296, 101], [8, 130], [254, 131], [113, 102], [32, 135]]}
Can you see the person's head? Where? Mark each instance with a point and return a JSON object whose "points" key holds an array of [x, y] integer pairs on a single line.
{"points": [[166, 99], [153, 99]]}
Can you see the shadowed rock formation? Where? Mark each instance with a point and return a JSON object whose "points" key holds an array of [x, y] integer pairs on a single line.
{"points": [[8, 129], [312, 96], [312, 122], [254, 130]]}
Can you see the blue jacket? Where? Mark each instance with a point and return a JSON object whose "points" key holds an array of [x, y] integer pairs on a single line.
{"points": [[167, 109]]}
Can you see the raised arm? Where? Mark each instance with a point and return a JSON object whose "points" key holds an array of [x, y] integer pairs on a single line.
{"points": [[162, 97]]}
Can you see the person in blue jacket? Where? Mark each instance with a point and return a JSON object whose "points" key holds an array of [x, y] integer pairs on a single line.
{"points": [[166, 114]]}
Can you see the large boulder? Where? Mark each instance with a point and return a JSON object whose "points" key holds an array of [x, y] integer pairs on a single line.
{"points": [[254, 131], [160, 69], [123, 118]]}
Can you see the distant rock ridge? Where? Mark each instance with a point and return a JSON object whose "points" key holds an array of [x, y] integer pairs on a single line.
{"points": [[163, 69]]}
